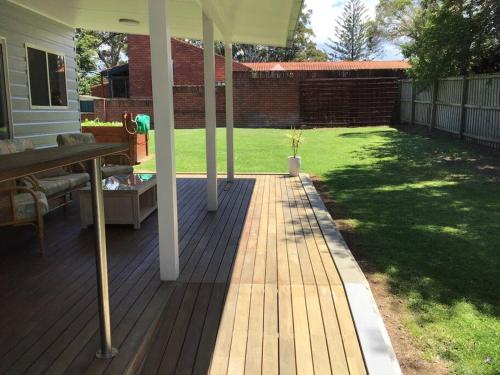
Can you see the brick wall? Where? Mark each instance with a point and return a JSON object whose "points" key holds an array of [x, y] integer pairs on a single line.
{"points": [[189, 107], [113, 109], [277, 100], [270, 100]]}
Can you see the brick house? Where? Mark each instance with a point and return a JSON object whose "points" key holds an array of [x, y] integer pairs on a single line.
{"points": [[265, 94]]}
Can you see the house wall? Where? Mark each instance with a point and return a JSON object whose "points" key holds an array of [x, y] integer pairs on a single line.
{"points": [[187, 63], [19, 26]]}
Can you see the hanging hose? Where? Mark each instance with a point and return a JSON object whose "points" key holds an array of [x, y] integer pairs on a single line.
{"points": [[132, 125], [139, 125]]}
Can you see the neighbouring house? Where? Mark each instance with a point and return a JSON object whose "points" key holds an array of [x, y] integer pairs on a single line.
{"points": [[265, 94], [38, 87]]}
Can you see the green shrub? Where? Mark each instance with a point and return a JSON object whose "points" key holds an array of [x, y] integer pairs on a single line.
{"points": [[96, 122]]}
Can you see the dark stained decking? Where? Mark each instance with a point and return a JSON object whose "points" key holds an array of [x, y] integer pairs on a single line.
{"points": [[258, 291]]}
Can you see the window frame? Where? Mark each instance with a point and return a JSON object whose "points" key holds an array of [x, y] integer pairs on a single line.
{"points": [[5, 61], [53, 52]]}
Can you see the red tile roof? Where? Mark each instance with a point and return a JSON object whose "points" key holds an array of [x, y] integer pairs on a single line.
{"points": [[327, 65]]}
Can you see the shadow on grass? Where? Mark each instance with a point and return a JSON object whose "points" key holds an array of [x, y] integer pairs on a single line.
{"points": [[364, 134], [428, 216]]}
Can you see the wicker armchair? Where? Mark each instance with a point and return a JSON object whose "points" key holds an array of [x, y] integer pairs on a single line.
{"points": [[112, 165], [20, 205]]}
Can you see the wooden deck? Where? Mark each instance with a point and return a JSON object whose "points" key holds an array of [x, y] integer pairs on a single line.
{"points": [[258, 291]]}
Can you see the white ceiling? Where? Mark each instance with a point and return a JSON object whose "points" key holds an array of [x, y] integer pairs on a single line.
{"points": [[246, 21]]}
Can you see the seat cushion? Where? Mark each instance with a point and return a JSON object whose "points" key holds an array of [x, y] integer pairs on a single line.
{"points": [[25, 206], [113, 170], [73, 179], [54, 186]]}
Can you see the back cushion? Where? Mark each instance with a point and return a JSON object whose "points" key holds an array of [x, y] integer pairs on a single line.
{"points": [[10, 146], [75, 139]]}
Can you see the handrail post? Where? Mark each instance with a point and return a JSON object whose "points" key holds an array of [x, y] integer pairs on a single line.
{"points": [[107, 351]]}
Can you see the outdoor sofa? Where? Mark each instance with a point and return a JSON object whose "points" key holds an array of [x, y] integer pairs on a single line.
{"points": [[28, 199], [117, 164]]}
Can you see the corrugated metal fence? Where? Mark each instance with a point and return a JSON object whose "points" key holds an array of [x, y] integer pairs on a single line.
{"points": [[465, 106]]}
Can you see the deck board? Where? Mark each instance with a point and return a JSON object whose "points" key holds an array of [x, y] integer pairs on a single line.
{"points": [[258, 291]]}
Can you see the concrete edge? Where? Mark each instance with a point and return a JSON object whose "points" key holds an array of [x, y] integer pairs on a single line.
{"points": [[375, 343]]}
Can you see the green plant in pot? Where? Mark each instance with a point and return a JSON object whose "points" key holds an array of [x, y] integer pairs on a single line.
{"points": [[296, 138]]}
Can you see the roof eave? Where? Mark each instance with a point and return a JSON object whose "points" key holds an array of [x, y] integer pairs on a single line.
{"points": [[294, 21]]}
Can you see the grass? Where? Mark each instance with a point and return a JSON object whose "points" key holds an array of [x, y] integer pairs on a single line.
{"points": [[260, 150], [427, 217]]}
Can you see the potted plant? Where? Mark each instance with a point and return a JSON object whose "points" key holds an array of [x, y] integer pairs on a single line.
{"points": [[295, 137]]}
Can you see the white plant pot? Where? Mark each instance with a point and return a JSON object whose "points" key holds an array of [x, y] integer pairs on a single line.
{"points": [[294, 165]]}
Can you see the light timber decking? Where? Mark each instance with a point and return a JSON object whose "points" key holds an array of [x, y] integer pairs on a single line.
{"points": [[258, 291]]}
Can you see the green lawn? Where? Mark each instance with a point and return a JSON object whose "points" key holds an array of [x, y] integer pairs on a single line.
{"points": [[427, 217]]}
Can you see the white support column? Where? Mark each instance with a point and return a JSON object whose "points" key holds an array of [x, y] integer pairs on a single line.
{"points": [[162, 78], [210, 120], [228, 74]]}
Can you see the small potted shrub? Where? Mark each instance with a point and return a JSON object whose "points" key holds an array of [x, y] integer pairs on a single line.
{"points": [[295, 137]]}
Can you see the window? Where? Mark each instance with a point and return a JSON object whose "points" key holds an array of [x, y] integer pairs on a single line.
{"points": [[47, 78]]}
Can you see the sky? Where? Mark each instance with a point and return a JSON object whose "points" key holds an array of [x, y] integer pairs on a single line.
{"points": [[323, 23]]}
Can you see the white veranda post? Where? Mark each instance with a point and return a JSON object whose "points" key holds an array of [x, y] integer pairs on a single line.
{"points": [[162, 79], [210, 120], [228, 77]]}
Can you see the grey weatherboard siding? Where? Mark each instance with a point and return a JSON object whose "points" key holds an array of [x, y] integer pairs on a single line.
{"points": [[20, 27]]}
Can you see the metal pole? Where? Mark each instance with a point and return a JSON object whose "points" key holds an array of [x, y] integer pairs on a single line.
{"points": [[107, 350]]}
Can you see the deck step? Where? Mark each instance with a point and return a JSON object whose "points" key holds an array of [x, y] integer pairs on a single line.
{"points": [[138, 343]]}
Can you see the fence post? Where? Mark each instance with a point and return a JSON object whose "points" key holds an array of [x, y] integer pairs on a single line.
{"points": [[463, 102], [435, 91], [397, 119], [413, 98]]}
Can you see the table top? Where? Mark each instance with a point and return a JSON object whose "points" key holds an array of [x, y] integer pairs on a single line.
{"points": [[20, 164], [134, 181]]}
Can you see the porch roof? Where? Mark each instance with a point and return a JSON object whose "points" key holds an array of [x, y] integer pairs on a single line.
{"points": [[243, 21]]}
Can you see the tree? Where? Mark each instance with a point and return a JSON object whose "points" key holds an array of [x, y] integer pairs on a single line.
{"points": [[395, 19], [95, 50], [351, 31], [111, 47], [454, 37], [86, 59], [302, 48]]}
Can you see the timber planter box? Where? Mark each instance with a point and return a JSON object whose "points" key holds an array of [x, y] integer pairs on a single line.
{"points": [[137, 143]]}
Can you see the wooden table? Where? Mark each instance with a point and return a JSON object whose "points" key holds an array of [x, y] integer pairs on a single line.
{"points": [[128, 199], [21, 164]]}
